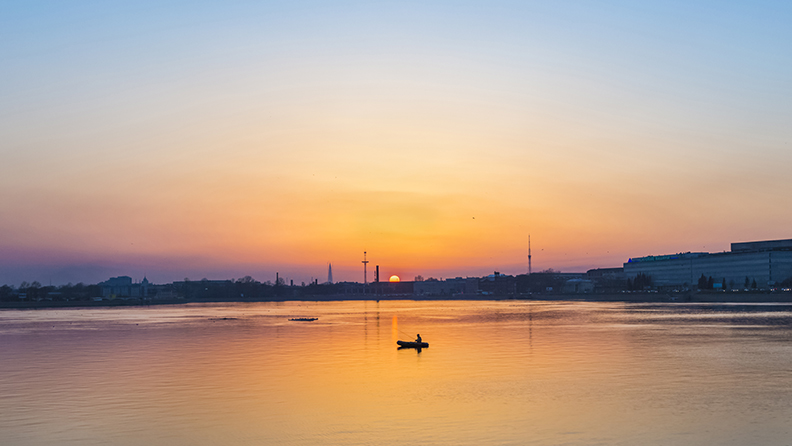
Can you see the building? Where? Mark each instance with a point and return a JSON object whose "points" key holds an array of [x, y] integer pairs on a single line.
{"points": [[448, 287], [607, 280], [578, 286], [606, 273], [765, 262], [122, 286]]}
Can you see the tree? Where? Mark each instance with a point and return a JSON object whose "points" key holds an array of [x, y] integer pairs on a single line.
{"points": [[710, 283], [747, 282], [702, 282], [643, 281], [640, 282], [753, 284], [5, 293]]}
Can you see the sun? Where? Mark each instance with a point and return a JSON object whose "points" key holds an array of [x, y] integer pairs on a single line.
{"points": [[394, 278]]}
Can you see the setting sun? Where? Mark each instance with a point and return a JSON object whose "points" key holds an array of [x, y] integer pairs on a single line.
{"points": [[394, 278]]}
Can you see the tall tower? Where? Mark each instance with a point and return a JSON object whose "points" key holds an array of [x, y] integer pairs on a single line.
{"points": [[365, 279], [330, 273], [376, 279], [529, 254]]}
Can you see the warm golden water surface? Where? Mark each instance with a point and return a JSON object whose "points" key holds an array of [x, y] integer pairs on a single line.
{"points": [[505, 372]]}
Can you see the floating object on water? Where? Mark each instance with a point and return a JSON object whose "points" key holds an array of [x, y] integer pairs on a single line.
{"points": [[304, 319], [412, 344]]}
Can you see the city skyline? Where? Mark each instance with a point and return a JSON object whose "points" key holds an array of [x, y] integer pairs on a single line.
{"points": [[179, 140], [756, 246]]}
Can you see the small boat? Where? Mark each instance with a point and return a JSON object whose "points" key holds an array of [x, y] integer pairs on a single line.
{"points": [[304, 319], [412, 344]]}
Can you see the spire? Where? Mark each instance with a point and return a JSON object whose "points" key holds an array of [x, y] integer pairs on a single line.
{"points": [[365, 262], [529, 254], [329, 273]]}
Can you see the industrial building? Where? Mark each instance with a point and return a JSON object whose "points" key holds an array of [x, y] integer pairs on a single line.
{"points": [[122, 286], [766, 263], [448, 287]]}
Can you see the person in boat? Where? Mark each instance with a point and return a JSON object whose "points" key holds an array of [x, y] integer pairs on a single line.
{"points": [[418, 339]]}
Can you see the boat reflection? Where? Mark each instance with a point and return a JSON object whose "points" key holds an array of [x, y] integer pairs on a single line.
{"points": [[418, 349]]}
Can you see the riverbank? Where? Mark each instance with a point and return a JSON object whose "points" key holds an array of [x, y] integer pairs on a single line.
{"points": [[690, 297]]}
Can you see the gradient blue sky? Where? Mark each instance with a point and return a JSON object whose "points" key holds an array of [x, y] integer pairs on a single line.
{"points": [[200, 139]]}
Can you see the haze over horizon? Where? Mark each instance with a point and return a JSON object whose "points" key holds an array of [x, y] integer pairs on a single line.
{"points": [[176, 140]]}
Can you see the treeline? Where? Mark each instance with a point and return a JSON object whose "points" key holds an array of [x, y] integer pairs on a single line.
{"points": [[640, 282], [248, 288], [709, 283], [35, 291]]}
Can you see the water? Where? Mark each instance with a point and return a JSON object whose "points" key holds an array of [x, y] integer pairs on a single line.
{"points": [[506, 372]]}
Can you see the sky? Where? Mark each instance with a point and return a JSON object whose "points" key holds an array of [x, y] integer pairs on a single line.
{"points": [[216, 140]]}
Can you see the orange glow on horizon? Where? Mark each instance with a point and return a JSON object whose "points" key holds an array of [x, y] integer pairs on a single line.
{"points": [[394, 278]]}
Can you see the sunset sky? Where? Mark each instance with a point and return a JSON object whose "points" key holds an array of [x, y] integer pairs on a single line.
{"points": [[207, 139]]}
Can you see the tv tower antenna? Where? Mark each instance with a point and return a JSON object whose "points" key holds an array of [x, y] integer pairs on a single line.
{"points": [[365, 280], [529, 254]]}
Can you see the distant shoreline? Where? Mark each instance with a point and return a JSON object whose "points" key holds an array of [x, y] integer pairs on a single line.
{"points": [[779, 297]]}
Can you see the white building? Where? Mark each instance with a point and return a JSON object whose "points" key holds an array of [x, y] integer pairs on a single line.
{"points": [[766, 262]]}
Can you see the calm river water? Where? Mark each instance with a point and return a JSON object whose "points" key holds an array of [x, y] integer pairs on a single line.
{"points": [[496, 372]]}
